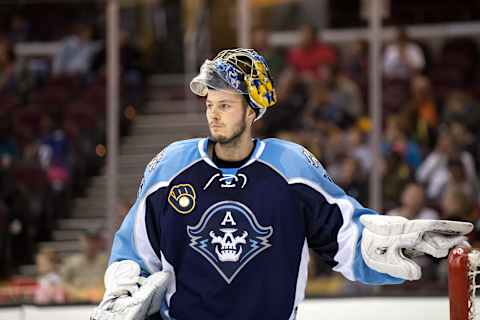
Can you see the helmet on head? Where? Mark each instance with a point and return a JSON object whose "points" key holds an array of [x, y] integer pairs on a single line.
{"points": [[243, 71]]}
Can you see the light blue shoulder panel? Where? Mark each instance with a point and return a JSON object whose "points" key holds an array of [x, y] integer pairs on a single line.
{"points": [[131, 240], [297, 165]]}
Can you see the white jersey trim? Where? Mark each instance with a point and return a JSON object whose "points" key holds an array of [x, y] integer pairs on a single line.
{"points": [[202, 146], [346, 248], [257, 154], [302, 278], [172, 287], [140, 236]]}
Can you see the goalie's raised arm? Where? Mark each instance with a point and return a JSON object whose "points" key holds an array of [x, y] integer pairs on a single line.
{"points": [[389, 241]]}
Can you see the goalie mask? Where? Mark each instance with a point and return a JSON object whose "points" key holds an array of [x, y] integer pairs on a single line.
{"points": [[243, 71]]}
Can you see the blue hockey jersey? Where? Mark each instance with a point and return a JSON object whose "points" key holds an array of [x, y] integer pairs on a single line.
{"points": [[237, 240]]}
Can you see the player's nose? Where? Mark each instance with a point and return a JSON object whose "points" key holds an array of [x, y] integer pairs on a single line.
{"points": [[213, 114]]}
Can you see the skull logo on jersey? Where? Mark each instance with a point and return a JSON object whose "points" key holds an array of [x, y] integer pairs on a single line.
{"points": [[229, 237], [228, 248]]}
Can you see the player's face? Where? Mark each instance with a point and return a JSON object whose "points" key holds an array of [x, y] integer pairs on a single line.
{"points": [[228, 116]]}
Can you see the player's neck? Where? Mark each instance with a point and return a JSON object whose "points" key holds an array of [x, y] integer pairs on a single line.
{"points": [[235, 150]]}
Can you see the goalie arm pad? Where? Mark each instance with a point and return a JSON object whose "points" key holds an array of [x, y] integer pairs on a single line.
{"points": [[388, 240], [122, 278], [128, 296]]}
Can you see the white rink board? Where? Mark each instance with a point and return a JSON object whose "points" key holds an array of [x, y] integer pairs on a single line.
{"points": [[46, 313], [416, 308], [10, 314]]}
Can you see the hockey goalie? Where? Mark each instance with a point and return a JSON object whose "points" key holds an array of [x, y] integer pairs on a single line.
{"points": [[222, 225]]}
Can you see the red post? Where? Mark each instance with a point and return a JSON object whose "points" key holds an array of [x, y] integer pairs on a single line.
{"points": [[458, 283]]}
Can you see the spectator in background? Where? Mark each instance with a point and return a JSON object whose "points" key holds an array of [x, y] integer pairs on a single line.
{"points": [[458, 180], [76, 52], [7, 67], [292, 99], [396, 175], [322, 110], [132, 68], [27, 143], [413, 204], [56, 159], [308, 65], [311, 58], [334, 99], [55, 153], [461, 107], [333, 149], [347, 94], [49, 289], [19, 29], [421, 114], [8, 145], [352, 179], [456, 205], [355, 63], [359, 149], [403, 58], [433, 172], [82, 273], [130, 57], [396, 141], [465, 139]]}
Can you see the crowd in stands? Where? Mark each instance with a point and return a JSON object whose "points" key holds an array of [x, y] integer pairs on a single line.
{"points": [[52, 118], [52, 133], [430, 140], [79, 278]]}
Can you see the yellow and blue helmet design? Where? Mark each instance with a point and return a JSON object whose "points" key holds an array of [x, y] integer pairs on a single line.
{"points": [[243, 71]]}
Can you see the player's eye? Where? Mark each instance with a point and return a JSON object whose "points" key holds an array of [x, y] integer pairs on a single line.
{"points": [[224, 106]]}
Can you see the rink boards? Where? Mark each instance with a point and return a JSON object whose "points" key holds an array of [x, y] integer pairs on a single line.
{"points": [[417, 308]]}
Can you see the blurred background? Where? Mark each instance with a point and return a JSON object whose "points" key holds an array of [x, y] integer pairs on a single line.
{"points": [[56, 122]]}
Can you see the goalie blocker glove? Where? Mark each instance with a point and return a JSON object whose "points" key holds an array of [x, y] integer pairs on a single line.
{"points": [[128, 296], [389, 242]]}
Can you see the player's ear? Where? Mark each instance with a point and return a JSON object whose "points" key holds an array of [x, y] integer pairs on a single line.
{"points": [[251, 115]]}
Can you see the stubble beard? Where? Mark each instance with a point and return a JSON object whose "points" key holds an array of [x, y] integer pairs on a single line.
{"points": [[233, 138]]}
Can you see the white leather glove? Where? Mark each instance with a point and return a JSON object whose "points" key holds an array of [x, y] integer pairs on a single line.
{"points": [[388, 242], [128, 296]]}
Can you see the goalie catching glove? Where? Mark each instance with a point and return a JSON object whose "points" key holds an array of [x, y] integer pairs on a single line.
{"points": [[389, 242], [128, 296]]}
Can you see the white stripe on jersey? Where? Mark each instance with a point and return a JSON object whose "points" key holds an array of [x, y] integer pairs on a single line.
{"points": [[301, 280], [346, 247]]}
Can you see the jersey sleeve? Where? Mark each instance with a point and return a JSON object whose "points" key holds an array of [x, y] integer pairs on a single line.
{"points": [[138, 238], [131, 241], [333, 229]]}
